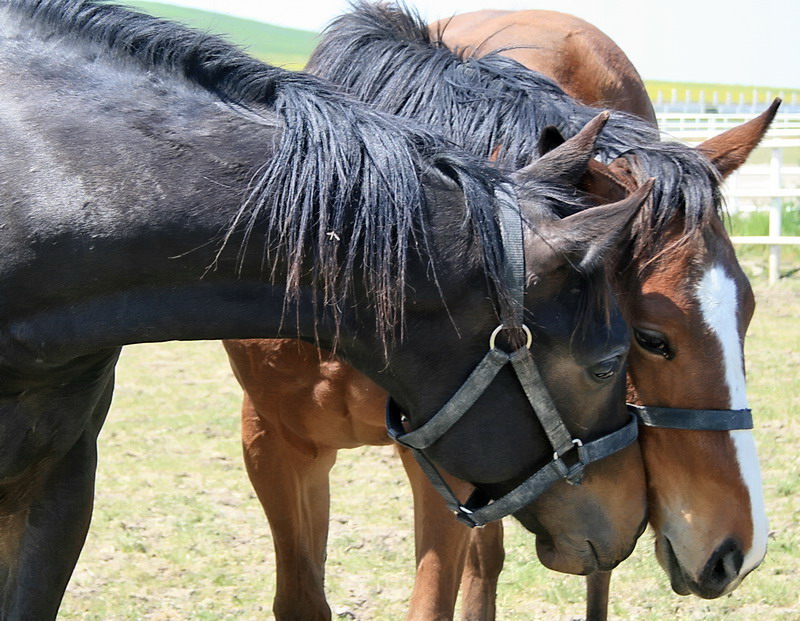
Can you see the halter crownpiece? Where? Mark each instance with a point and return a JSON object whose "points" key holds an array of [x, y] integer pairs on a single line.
{"points": [[478, 510]]}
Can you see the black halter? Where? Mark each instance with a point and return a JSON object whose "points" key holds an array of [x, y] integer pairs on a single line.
{"points": [[478, 509], [682, 418]]}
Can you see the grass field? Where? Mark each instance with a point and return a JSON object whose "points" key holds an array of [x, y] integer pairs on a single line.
{"points": [[178, 534], [284, 47], [754, 258]]}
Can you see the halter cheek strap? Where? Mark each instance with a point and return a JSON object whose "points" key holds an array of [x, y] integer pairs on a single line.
{"points": [[479, 510], [681, 418]]}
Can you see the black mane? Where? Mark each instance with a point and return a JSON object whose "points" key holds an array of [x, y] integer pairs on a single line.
{"points": [[340, 165], [497, 108]]}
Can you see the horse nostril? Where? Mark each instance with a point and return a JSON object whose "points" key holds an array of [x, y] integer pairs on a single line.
{"points": [[722, 568]]}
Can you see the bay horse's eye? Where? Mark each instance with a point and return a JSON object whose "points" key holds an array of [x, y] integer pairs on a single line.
{"points": [[653, 342], [607, 369]]}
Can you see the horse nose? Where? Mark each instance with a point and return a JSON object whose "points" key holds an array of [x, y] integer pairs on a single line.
{"points": [[721, 570]]}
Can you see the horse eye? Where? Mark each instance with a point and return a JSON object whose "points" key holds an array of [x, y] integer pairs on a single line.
{"points": [[607, 369], [653, 342]]}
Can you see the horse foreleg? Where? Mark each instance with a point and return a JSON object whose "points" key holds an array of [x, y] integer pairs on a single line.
{"points": [[45, 516], [292, 485], [441, 544], [481, 572], [40, 543], [597, 589]]}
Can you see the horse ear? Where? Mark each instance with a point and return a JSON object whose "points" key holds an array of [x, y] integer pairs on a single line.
{"points": [[567, 161], [550, 138], [600, 182], [731, 148], [583, 239]]}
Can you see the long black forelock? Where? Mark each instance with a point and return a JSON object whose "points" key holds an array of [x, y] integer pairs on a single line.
{"points": [[686, 187], [497, 108], [342, 169]]}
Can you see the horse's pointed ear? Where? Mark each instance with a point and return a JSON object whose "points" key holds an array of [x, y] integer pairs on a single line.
{"points": [[550, 138], [600, 183], [584, 238], [731, 148], [567, 161]]}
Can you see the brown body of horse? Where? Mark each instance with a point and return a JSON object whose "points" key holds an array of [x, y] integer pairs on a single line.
{"points": [[298, 411], [584, 61], [290, 447], [588, 65]]}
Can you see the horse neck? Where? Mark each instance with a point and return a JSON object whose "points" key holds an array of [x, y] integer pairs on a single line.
{"points": [[138, 257], [117, 200]]}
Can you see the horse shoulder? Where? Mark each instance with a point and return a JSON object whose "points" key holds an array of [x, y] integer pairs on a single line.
{"points": [[312, 397]]}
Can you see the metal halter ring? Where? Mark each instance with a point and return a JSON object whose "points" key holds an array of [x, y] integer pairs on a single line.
{"points": [[572, 474], [501, 327], [576, 441]]}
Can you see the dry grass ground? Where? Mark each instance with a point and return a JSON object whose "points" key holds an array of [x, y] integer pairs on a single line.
{"points": [[178, 534]]}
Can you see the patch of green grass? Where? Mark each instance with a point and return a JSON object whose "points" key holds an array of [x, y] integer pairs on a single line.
{"points": [[283, 47], [757, 222], [754, 258]]}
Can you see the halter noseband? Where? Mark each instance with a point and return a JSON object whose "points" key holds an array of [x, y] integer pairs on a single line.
{"points": [[698, 420], [478, 510]]}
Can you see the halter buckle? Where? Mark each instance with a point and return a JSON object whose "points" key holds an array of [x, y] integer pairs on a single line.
{"points": [[572, 474], [464, 515]]}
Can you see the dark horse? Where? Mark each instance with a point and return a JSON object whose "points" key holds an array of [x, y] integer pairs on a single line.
{"points": [[679, 251], [157, 183]]}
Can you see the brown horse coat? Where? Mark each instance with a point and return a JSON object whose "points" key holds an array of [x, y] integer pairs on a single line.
{"points": [[584, 61]]}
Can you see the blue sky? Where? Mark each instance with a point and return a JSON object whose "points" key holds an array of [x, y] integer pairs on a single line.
{"points": [[753, 42]]}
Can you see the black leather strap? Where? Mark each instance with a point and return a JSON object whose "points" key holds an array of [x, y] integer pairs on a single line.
{"points": [[540, 482], [479, 510], [698, 420]]}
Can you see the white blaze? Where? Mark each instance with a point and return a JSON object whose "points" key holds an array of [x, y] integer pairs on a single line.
{"points": [[716, 293]]}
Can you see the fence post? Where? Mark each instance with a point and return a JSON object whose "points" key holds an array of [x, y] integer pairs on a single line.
{"points": [[775, 208]]}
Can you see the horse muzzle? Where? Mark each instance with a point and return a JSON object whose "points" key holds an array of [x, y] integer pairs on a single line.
{"points": [[581, 548], [721, 573], [583, 559]]}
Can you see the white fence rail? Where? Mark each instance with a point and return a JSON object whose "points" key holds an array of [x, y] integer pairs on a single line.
{"points": [[715, 101], [756, 186], [706, 124]]}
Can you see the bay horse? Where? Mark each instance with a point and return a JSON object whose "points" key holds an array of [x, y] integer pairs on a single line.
{"points": [[589, 66], [582, 59], [156, 183], [380, 55]]}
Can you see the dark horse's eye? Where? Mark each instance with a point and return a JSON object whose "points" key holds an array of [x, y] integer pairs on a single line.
{"points": [[607, 369], [653, 342]]}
